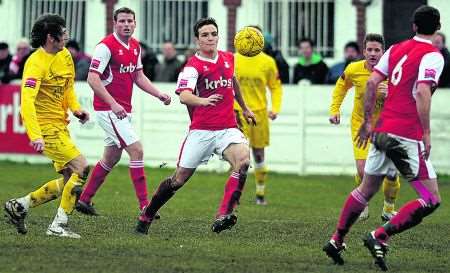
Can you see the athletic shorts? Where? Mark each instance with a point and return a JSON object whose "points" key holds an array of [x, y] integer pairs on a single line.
{"points": [[259, 135], [118, 132], [359, 153], [200, 145], [58, 146], [390, 152]]}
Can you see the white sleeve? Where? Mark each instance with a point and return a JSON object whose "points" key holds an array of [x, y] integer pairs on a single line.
{"points": [[383, 64], [187, 79], [139, 61], [100, 59], [430, 68]]}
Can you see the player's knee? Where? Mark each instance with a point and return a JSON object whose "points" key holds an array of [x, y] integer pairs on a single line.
{"points": [[243, 165], [172, 183]]}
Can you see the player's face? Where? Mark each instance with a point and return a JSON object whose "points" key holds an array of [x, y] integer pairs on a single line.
{"points": [[208, 38], [125, 24], [438, 41], [373, 52], [63, 38]]}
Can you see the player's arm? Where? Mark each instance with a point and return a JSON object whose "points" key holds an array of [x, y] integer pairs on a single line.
{"points": [[186, 84], [100, 60], [147, 86], [276, 91], [343, 84], [430, 69], [246, 112], [71, 100]]}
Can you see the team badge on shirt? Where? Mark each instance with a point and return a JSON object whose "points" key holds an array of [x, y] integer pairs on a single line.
{"points": [[30, 82], [430, 73], [135, 52], [95, 63], [183, 83], [227, 65]]}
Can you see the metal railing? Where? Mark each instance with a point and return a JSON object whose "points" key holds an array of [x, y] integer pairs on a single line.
{"points": [[73, 11], [291, 20]]}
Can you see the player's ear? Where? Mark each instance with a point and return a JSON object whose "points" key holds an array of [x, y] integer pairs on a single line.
{"points": [[414, 27]]}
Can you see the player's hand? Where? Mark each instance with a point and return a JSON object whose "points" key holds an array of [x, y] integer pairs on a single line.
{"points": [[165, 98], [119, 111], [211, 100], [82, 116], [335, 119], [383, 89], [364, 133], [427, 143], [273, 115], [38, 145], [249, 117]]}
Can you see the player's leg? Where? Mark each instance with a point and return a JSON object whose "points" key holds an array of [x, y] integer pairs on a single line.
{"points": [[391, 187], [111, 156], [17, 209], [238, 155], [260, 175], [137, 173], [360, 163]]}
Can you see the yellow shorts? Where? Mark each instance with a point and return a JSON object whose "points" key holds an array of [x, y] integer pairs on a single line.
{"points": [[259, 135], [358, 153], [59, 147]]}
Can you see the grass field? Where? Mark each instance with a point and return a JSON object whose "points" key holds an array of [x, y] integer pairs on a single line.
{"points": [[285, 236]]}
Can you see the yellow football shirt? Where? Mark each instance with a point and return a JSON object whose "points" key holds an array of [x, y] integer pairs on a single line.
{"points": [[355, 75], [47, 91], [254, 75]]}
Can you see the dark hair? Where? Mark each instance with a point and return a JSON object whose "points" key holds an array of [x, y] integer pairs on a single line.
{"points": [[306, 40], [442, 35], [374, 37], [3, 46], [124, 10], [352, 44], [73, 44], [203, 22], [257, 27], [49, 23], [427, 20]]}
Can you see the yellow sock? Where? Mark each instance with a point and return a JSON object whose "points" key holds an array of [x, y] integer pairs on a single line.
{"points": [[390, 190], [49, 191], [260, 177], [357, 180], [68, 196]]}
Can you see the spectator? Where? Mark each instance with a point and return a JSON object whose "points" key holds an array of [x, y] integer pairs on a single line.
{"points": [[149, 61], [439, 42], [80, 60], [310, 65], [5, 60], [351, 54], [168, 70], [23, 51], [282, 65]]}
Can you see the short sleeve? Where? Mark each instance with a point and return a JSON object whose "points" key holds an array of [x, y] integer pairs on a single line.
{"points": [[187, 80], [382, 66], [430, 68], [100, 59]]}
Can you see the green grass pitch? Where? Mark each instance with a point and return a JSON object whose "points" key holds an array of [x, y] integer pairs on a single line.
{"points": [[285, 236]]}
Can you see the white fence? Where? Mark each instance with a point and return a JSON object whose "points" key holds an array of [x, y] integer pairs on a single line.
{"points": [[302, 140]]}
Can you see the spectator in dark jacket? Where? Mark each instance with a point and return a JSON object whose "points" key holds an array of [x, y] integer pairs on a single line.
{"points": [[168, 70], [80, 60], [439, 42], [282, 65], [5, 60], [149, 61], [310, 65], [351, 54]]}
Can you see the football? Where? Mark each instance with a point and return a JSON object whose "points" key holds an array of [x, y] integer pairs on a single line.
{"points": [[249, 41]]}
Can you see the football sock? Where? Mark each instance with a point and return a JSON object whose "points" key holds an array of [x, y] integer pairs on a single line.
{"points": [[60, 217], [410, 215], [260, 177], [47, 192], [353, 207], [68, 197], [164, 192], [101, 170], [139, 181], [390, 190], [232, 193]]}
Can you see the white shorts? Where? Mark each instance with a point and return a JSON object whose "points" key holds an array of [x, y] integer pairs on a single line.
{"points": [[118, 132], [390, 152], [200, 145]]}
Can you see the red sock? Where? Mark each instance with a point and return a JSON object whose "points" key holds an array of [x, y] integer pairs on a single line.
{"points": [[410, 215], [139, 181], [353, 207], [97, 178], [231, 194]]}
